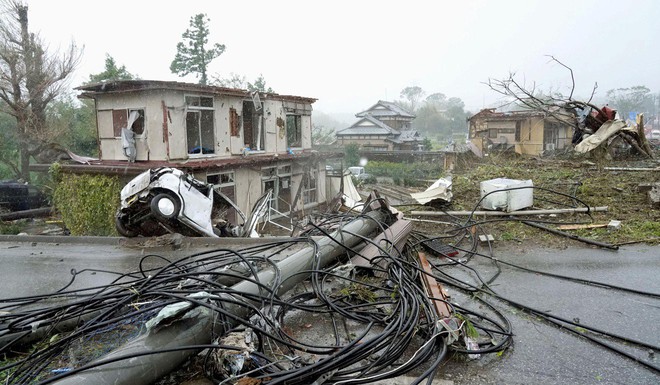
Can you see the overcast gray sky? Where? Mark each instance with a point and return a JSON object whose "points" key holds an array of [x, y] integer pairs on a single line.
{"points": [[349, 54]]}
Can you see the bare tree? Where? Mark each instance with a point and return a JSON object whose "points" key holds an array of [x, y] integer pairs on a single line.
{"points": [[563, 108], [30, 78]]}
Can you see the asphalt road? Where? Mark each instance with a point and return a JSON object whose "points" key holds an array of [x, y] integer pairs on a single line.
{"points": [[541, 354], [545, 354]]}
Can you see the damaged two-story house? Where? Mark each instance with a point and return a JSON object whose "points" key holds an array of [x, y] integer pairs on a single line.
{"points": [[244, 143], [384, 126], [525, 132]]}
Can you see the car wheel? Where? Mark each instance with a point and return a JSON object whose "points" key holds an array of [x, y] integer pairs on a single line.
{"points": [[123, 230], [165, 206]]}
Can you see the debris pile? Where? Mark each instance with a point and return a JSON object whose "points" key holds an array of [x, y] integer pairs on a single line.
{"points": [[346, 322]]}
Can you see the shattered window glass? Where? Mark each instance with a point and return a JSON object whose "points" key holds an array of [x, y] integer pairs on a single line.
{"points": [[138, 124], [309, 192], [294, 131], [222, 179]]}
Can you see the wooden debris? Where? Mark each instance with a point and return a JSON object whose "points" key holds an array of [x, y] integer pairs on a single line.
{"points": [[514, 213], [580, 227], [486, 238], [631, 168], [654, 195]]}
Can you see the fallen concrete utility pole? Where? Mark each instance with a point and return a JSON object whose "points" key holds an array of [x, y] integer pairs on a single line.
{"points": [[33, 213], [145, 359], [513, 213]]}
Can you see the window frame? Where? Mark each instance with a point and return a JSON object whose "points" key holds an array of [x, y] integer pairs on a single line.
{"points": [[116, 131], [311, 191], [298, 131], [199, 108]]}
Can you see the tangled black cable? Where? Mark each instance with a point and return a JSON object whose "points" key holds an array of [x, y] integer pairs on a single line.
{"points": [[381, 327]]}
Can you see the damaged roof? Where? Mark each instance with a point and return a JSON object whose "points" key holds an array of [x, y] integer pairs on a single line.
{"points": [[490, 114], [123, 86], [121, 167]]}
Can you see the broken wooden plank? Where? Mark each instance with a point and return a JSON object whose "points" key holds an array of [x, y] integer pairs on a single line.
{"points": [[631, 168], [571, 236], [435, 290], [580, 227]]}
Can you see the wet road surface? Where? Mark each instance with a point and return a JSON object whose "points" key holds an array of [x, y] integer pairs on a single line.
{"points": [[541, 353]]}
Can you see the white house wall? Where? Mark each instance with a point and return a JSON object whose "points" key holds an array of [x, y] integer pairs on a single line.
{"points": [[275, 136], [149, 145], [306, 131], [236, 143]]}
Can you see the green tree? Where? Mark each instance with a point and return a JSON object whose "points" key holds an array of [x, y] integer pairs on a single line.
{"points": [[413, 95], [111, 72], [634, 99], [30, 79], [428, 145], [437, 98], [233, 81], [77, 123], [259, 85], [240, 81], [456, 114], [192, 54], [322, 135], [352, 154], [9, 148]]}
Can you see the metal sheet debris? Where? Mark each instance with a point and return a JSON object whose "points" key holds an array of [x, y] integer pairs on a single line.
{"points": [[439, 190], [607, 130]]}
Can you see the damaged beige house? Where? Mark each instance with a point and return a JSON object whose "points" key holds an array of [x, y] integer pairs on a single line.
{"points": [[244, 143], [525, 132]]}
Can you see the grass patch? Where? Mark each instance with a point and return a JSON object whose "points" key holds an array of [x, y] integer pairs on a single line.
{"points": [[11, 228], [589, 182]]}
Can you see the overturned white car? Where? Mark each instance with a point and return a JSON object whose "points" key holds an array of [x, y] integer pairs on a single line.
{"points": [[167, 200]]}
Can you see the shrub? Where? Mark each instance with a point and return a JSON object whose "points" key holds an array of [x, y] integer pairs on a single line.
{"points": [[87, 203], [408, 174]]}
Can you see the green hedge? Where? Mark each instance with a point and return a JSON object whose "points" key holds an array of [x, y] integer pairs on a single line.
{"points": [[87, 203], [407, 174]]}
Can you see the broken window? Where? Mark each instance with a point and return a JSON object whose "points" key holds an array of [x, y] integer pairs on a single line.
{"points": [[120, 121], [492, 133], [278, 180], [199, 101], [200, 133], [518, 127], [224, 182], [234, 122], [294, 131], [309, 191], [253, 132], [550, 135], [285, 188]]}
